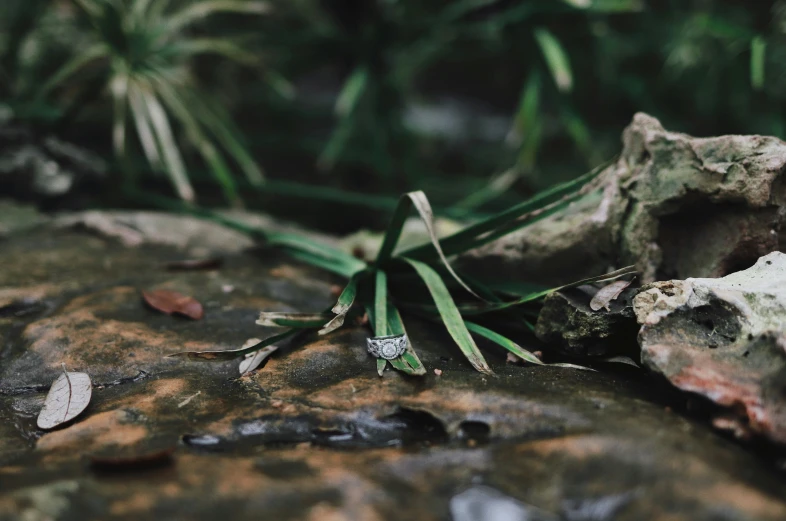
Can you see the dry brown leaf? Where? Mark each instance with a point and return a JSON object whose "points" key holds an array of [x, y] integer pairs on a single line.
{"points": [[172, 302], [607, 293], [69, 395]]}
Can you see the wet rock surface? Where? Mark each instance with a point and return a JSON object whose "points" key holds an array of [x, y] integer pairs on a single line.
{"points": [[674, 205], [315, 433], [724, 339]]}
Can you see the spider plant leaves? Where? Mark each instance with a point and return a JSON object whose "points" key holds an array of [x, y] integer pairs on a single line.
{"points": [[381, 365], [450, 314], [504, 342], [393, 233], [145, 55], [294, 320], [556, 59], [231, 354], [67, 398], [198, 11]]}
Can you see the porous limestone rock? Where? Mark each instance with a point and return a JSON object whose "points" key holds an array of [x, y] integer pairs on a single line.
{"points": [[724, 339]]}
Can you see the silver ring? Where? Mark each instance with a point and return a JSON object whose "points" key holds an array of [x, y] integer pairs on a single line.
{"points": [[387, 347]]}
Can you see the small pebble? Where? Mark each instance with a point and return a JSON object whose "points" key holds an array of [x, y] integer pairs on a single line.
{"points": [[227, 288], [438, 372]]}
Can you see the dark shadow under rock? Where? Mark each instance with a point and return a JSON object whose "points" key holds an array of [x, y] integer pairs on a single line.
{"points": [[567, 322]]}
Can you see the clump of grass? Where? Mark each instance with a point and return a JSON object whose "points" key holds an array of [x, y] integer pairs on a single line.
{"points": [[142, 52], [447, 291]]}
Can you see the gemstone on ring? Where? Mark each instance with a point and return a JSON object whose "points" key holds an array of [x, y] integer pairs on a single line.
{"points": [[387, 347]]}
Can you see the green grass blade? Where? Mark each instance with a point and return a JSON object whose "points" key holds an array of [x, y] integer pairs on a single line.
{"points": [[297, 320], [196, 11], [504, 342], [343, 305], [450, 315], [380, 304], [218, 167], [556, 59], [381, 365], [457, 243], [234, 353], [758, 55], [170, 152], [71, 67], [540, 294], [351, 92], [419, 200], [331, 265], [408, 362], [298, 242]]}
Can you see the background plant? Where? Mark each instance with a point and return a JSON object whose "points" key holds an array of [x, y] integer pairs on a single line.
{"points": [[480, 103]]}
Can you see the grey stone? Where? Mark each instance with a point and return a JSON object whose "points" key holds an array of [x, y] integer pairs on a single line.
{"points": [[724, 339], [676, 206]]}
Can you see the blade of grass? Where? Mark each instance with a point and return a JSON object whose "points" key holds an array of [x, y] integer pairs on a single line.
{"points": [[540, 294], [343, 305], [200, 10], [234, 353], [408, 362], [351, 91], [556, 59], [758, 50], [298, 320], [457, 242], [380, 304], [450, 315], [504, 342], [169, 149], [393, 233]]}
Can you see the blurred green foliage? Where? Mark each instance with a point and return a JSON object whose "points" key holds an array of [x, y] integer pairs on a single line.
{"points": [[478, 102]]}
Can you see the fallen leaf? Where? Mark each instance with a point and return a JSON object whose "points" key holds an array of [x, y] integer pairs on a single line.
{"points": [[172, 302], [607, 293], [209, 263], [69, 395], [229, 354], [620, 360], [573, 366], [253, 360]]}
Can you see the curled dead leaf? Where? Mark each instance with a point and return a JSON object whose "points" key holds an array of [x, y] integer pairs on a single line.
{"points": [[68, 397], [172, 302], [253, 360], [607, 293]]}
